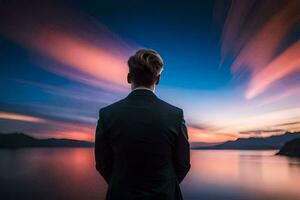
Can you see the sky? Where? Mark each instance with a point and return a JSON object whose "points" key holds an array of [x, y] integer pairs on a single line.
{"points": [[233, 66]]}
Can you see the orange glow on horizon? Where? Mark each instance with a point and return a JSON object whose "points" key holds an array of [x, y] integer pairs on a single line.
{"points": [[72, 135], [208, 136]]}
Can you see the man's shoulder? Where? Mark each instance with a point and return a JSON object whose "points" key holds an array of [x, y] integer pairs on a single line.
{"points": [[169, 106], [112, 106], [162, 104]]}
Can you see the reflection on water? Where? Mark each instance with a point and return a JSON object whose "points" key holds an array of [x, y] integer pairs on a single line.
{"points": [[54, 173], [69, 173], [242, 175]]}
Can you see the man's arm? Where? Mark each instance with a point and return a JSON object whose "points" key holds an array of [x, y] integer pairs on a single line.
{"points": [[103, 151], [182, 151]]}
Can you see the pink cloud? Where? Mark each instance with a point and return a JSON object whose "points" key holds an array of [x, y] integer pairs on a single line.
{"points": [[253, 35], [285, 94], [20, 117], [76, 46], [90, 63], [283, 65], [260, 48]]}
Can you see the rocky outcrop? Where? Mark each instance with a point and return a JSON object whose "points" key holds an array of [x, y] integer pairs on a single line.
{"points": [[291, 148]]}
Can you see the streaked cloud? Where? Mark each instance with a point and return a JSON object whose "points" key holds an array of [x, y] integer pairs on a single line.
{"points": [[75, 46], [289, 92], [82, 60], [20, 117], [77, 93], [259, 132], [286, 63], [292, 125], [289, 123], [49, 128], [254, 40]]}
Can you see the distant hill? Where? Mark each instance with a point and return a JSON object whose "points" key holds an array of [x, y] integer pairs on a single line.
{"points": [[21, 140], [195, 145], [291, 148], [256, 143]]}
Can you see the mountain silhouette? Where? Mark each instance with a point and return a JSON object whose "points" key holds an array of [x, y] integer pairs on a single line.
{"points": [[259, 143], [291, 148], [21, 140], [195, 145]]}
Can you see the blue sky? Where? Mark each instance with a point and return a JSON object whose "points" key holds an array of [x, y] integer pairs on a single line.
{"points": [[61, 61]]}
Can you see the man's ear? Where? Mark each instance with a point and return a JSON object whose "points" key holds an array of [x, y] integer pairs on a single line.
{"points": [[157, 80], [129, 78]]}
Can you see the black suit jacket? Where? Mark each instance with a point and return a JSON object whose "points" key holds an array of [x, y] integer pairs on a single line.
{"points": [[142, 148]]}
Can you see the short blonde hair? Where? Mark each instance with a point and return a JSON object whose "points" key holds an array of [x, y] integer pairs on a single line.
{"points": [[144, 66]]}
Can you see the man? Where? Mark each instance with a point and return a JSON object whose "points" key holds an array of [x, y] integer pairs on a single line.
{"points": [[141, 146]]}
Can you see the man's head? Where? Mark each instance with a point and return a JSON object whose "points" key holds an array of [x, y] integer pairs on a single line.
{"points": [[145, 67]]}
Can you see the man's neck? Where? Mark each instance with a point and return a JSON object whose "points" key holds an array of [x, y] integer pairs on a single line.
{"points": [[143, 88]]}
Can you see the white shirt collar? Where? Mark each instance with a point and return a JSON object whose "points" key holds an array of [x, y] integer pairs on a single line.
{"points": [[143, 88]]}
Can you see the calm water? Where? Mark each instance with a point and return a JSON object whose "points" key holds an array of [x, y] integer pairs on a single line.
{"points": [[68, 173]]}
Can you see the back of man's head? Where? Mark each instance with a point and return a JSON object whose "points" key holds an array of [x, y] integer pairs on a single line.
{"points": [[145, 67]]}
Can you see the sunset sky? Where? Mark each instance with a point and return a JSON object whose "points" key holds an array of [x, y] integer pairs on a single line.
{"points": [[233, 66]]}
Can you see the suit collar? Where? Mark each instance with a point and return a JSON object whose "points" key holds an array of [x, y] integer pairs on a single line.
{"points": [[141, 92]]}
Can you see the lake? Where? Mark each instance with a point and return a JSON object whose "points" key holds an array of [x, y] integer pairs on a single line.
{"points": [[69, 173]]}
